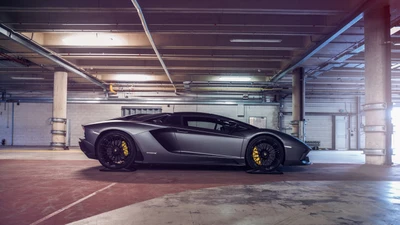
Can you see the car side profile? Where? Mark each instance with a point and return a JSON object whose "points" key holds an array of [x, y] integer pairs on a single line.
{"points": [[189, 138]]}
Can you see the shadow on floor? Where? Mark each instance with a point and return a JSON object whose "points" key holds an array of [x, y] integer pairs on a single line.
{"points": [[184, 174]]}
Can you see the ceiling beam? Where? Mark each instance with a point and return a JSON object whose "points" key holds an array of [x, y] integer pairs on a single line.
{"points": [[352, 19]]}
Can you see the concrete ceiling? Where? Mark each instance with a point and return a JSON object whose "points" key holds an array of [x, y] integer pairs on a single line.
{"points": [[203, 44]]}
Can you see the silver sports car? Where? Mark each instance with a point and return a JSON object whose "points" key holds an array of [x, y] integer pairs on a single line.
{"points": [[189, 138]]}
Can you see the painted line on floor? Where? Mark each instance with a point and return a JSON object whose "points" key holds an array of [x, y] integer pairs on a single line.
{"points": [[72, 204]]}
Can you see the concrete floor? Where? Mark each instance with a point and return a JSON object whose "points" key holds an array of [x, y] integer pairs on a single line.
{"points": [[41, 187]]}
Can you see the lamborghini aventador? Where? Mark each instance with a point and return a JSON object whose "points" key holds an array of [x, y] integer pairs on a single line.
{"points": [[189, 138]]}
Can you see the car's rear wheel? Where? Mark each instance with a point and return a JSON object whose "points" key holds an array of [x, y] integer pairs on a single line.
{"points": [[264, 152], [116, 150]]}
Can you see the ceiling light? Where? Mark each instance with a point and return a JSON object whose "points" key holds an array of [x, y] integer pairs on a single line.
{"points": [[233, 78], [397, 44], [92, 39], [131, 77], [257, 40], [27, 78]]}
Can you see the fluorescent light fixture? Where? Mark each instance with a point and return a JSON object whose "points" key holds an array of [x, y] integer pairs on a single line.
{"points": [[92, 39], [397, 44], [257, 40], [131, 77], [27, 78], [234, 78], [394, 30]]}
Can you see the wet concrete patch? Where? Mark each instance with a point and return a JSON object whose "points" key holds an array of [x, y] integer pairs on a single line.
{"points": [[297, 203]]}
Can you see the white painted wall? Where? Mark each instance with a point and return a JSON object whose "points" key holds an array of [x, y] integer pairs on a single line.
{"points": [[32, 121], [32, 124]]}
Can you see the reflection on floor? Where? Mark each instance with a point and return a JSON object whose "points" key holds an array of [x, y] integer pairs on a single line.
{"points": [[322, 156], [64, 187]]}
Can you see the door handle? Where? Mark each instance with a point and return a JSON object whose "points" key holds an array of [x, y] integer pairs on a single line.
{"points": [[182, 131]]}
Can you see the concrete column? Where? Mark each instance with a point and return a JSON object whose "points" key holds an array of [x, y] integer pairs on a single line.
{"points": [[378, 104], [298, 95], [59, 110]]}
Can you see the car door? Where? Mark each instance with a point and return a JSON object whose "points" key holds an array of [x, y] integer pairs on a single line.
{"points": [[205, 137], [160, 144]]}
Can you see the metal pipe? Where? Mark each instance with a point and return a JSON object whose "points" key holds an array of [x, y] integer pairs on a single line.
{"points": [[153, 101], [322, 114], [12, 124], [333, 118], [303, 79], [48, 54], [358, 120], [349, 132], [148, 34]]}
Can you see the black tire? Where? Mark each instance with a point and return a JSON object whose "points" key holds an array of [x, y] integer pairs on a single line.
{"points": [[269, 150], [116, 150]]}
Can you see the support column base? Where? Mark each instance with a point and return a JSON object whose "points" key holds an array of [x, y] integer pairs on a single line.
{"points": [[375, 159], [58, 148]]}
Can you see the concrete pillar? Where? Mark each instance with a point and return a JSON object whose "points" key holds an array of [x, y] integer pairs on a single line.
{"points": [[59, 110], [298, 96], [378, 104]]}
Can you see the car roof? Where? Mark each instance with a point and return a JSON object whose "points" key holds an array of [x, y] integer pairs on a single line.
{"points": [[145, 117]]}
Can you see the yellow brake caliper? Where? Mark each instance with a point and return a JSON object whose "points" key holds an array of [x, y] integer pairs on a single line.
{"points": [[256, 157], [125, 148]]}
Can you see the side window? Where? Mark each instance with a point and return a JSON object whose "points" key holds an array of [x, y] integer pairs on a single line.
{"points": [[202, 122], [172, 120], [158, 120]]}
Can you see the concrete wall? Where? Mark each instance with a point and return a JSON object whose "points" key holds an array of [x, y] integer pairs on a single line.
{"points": [[32, 120], [5, 122]]}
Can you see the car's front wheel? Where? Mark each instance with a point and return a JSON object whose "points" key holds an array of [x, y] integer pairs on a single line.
{"points": [[116, 150], [264, 152]]}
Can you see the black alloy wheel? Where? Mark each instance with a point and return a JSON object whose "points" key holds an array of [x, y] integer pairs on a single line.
{"points": [[116, 150], [265, 153]]}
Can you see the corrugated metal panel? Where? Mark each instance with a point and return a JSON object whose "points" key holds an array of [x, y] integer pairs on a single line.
{"points": [[319, 128], [324, 106]]}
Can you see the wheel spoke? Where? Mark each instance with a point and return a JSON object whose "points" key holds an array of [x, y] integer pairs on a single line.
{"points": [[269, 153], [111, 149]]}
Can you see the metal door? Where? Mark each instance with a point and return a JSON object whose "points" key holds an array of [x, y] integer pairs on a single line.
{"points": [[340, 133]]}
